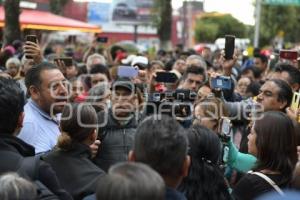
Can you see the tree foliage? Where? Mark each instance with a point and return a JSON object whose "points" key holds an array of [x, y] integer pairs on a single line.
{"points": [[12, 23], [275, 18], [212, 26]]}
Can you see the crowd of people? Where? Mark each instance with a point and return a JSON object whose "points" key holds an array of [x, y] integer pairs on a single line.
{"points": [[116, 125]]}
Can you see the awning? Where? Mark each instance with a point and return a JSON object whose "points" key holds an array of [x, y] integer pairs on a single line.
{"points": [[41, 20]]}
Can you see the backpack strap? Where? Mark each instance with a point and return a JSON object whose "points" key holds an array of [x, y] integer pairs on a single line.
{"points": [[268, 180]]}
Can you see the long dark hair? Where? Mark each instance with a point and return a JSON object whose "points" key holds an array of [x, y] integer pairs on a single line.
{"points": [[276, 144], [205, 179]]}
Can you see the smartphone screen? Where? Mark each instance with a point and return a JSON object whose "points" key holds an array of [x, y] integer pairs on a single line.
{"points": [[165, 77], [127, 71], [296, 101], [102, 39], [31, 38], [229, 46], [288, 54], [221, 82], [226, 127]]}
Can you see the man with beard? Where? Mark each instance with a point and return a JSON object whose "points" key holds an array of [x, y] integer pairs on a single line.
{"points": [[118, 124], [18, 156], [46, 86]]}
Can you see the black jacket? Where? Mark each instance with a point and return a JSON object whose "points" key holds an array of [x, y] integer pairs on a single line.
{"points": [[116, 140], [13, 150], [74, 169]]}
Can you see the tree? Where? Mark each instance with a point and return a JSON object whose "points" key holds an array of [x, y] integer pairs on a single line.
{"points": [[163, 22], [206, 32], [212, 26], [275, 19], [56, 6], [12, 24]]}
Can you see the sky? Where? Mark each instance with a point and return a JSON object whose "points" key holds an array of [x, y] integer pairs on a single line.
{"points": [[243, 10]]}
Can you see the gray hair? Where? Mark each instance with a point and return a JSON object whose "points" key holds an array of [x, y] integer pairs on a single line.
{"points": [[14, 187], [196, 60], [13, 60], [90, 59], [133, 181]]}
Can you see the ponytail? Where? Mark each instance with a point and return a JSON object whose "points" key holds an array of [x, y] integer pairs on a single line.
{"points": [[64, 141]]}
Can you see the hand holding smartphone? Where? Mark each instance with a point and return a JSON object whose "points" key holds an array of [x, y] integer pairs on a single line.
{"points": [[225, 126], [67, 61], [30, 38]]}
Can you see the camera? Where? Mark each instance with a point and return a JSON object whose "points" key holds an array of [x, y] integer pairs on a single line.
{"points": [[178, 102]]}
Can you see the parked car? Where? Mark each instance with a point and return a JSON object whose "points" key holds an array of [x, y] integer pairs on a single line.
{"points": [[123, 11]]}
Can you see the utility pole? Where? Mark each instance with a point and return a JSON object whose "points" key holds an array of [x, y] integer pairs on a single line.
{"points": [[257, 23], [190, 24], [184, 25], [135, 33]]}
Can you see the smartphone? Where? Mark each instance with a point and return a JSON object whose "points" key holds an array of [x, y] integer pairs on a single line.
{"points": [[165, 77], [68, 61], [225, 126], [288, 54], [31, 38], [102, 39], [128, 71], [229, 46], [296, 101], [221, 82]]}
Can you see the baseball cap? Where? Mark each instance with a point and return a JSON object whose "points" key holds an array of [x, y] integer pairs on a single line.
{"points": [[123, 82], [140, 61]]}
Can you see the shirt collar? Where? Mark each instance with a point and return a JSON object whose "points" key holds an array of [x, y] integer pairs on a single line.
{"points": [[41, 112]]}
